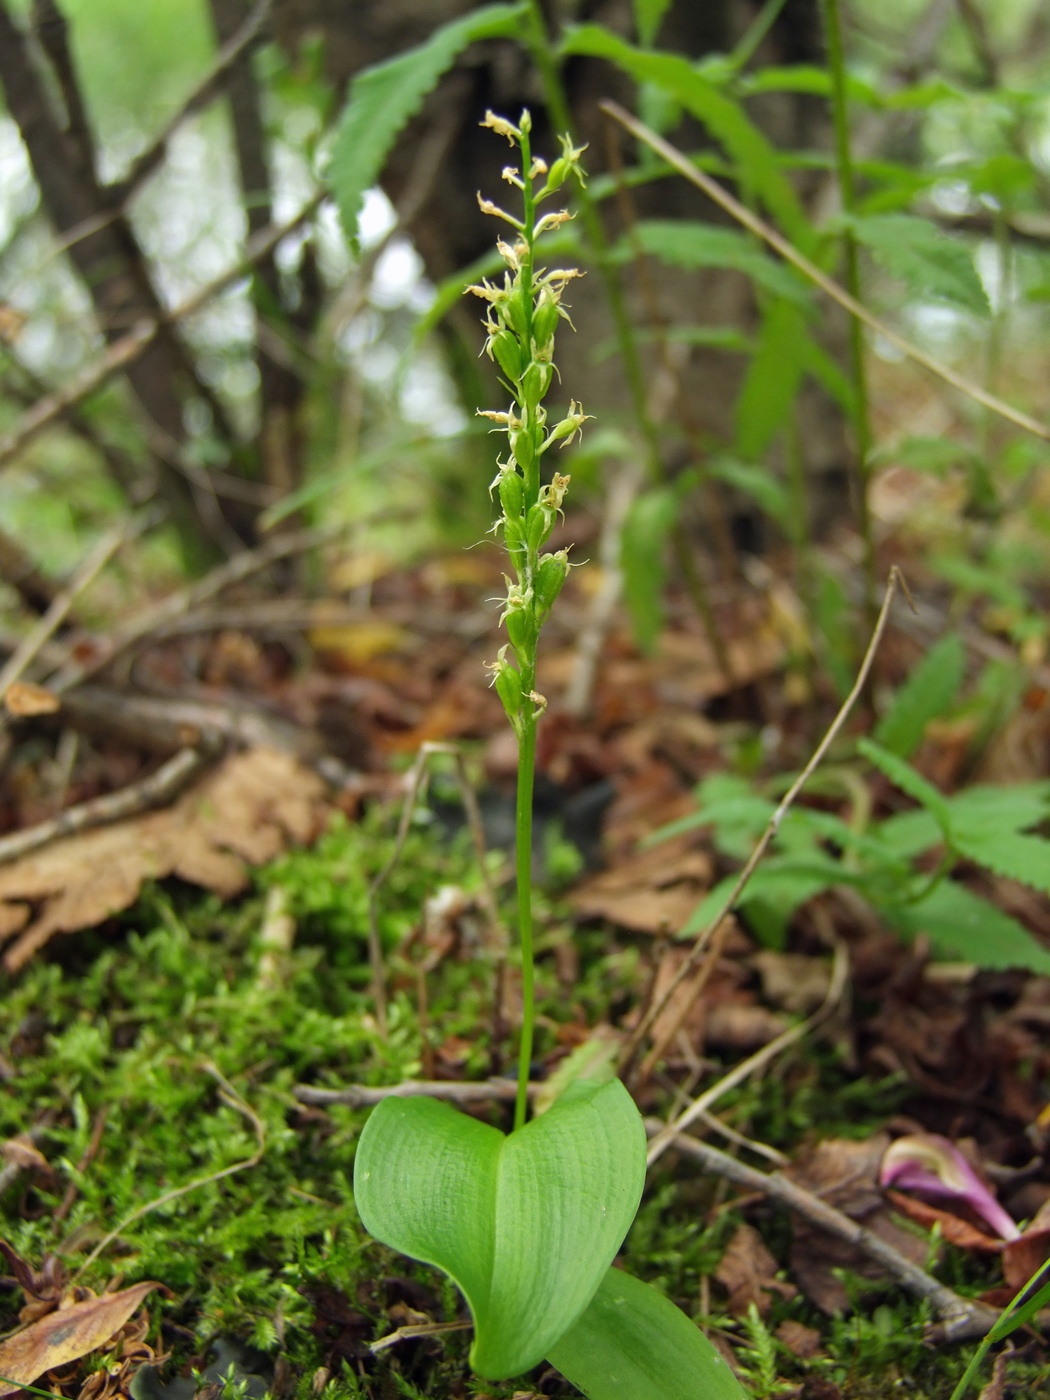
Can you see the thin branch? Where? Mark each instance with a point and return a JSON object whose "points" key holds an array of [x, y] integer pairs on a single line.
{"points": [[229, 1095], [417, 1329], [831, 288], [169, 779], [42, 631], [704, 937], [960, 1318], [154, 617], [208, 89], [699, 1109], [453, 1091], [130, 347]]}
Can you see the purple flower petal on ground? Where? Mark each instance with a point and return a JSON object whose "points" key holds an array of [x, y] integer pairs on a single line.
{"points": [[930, 1165]]}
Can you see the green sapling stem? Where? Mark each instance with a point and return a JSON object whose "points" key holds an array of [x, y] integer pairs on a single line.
{"points": [[523, 314]]}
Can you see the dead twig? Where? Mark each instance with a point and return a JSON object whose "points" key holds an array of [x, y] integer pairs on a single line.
{"points": [[156, 616], [130, 347], [58, 610], [751, 221], [229, 1095], [690, 963], [417, 1329], [960, 1318], [114, 806], [415, 783], [86, 1158], [698, 1110], [453, 1091]]}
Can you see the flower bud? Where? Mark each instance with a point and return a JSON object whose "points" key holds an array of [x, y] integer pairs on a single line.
{"points": [[515, 315], [505, 348], [538, 524], [520, 630], [546, 316], [523, 445], [536, 380], [550, 575], [511, 494], [514, 539], [508, 684]]}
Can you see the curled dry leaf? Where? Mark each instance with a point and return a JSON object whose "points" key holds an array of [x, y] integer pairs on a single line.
{"points": [[66, 1335], [24, 700], [1023, 1256], [748, 1271], [243, 813]]}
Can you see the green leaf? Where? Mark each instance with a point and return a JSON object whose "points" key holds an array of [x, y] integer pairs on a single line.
{"points": [[690, 244], [758, 163], [927, 693], [772, 379], [929, 262], [757, 482], [632, 1343], [642, 546], [383, 98], [648, 16], [902, 775], [526, 1225], [962, 925], [805, 77], [1007, 853]]}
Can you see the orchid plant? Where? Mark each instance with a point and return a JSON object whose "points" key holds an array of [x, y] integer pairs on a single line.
{"points": [[528, 1224]]}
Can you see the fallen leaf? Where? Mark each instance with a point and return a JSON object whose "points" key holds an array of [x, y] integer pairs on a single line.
{"points": [[793, 981], [67, 1335], [25, 700], [954, 1229], [243, 813], [12, 323], [799, 1339], [996, 1387], [748, 1271], [1021, 1258], [20, 1152], [355, 642], [652, 891], [845, 1175]]}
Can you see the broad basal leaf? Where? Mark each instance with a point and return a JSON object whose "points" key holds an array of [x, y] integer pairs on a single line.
{"points": [[383, 98], [927, 693], [928, 261], [962, 925], [632, 1343], [526, 1225]]}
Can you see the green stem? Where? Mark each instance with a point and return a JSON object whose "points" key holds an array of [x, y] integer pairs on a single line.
{"points": [[523, 865], [847, 191]]}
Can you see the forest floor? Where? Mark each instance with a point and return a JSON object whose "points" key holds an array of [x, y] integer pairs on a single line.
{"points": [[154, 1031]]}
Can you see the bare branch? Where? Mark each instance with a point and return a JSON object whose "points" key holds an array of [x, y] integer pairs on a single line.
{"points": [[129, 348]]}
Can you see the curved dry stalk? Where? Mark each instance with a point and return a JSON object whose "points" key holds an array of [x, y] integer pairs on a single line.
{"points": [[705, 936], [229, 1095], [828, 285], [698, 1110]]}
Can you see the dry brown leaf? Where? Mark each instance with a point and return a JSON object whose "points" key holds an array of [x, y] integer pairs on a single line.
{"points": [[24, 699], [1021, 1258], [67, 1335], [954, 1229], [652, 891], [12, 323], [748, 1271], [243, 813], [845, 1175], [793, 981], [799, 1339]]}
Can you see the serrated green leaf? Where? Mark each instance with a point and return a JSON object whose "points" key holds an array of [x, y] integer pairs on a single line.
{"points": [[1007, 853], [928, 261], [648, 16], [927, 693], [384, 97], [907, 834], [902, 775], [772, 380], [1011, 808], [690, 244], [632, 1343], [526, 1225], [959, 924], [757, 161], [642, 547]]}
